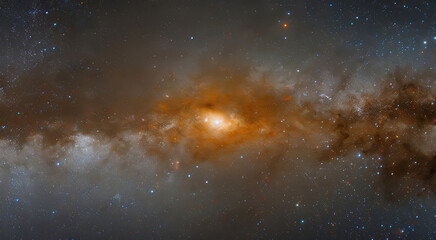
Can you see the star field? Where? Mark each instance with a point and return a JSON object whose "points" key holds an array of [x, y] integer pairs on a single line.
{"points": [[264, 119]]}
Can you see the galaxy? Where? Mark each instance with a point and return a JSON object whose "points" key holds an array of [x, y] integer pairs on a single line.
{"points": [[260, 119]]}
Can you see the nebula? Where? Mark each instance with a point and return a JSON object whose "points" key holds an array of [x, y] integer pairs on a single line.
{"points": [[217, 120], [222, 111]]}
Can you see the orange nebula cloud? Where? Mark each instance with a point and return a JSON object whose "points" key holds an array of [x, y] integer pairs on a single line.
{"points": [[215, 118]]}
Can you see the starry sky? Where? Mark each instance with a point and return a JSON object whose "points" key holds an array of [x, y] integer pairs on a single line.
{"points": [[207, 119]]}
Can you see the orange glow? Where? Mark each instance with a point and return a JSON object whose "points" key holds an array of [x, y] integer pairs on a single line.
{"points": [[285, 25], [219, 116], [219, 121]]}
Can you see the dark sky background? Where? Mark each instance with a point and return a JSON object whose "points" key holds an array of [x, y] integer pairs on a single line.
{"points": [[186, 119]]}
